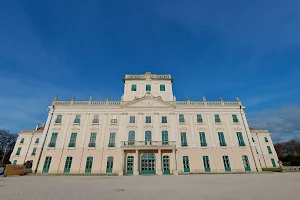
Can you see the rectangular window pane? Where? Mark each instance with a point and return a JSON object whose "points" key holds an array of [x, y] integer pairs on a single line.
{"points": [[109, 164], [181, 118], [68, 165], [202, 139], [266, 139], [18, 151], [77, 119], [234, 118], [53, 140], [58, 119], [273, 162], [132, 119], [22, 141], [183, 139], [73, 140], [162, 87], [240, 139], [199, 118], [93, 140], [164, 120], [269, 149], [96, 119], [47, 164], [226, 163], [131, 137], [148, 119], [221, 139], [206, 164], [33, 151], [148, 87], [217, 118], [89, 164], [112, 138], [165, 137], [37, 140], [133, 87]]}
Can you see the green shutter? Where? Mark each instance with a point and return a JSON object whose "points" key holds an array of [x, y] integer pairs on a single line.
{"points": [[109, 164], [202, 139], [33, 151], [47, 164], [222, 139], [206, 164], [148, 137], [165, 137], [240, 139], [162, 87], [183, 139], [18, 151], [92, 140], [73, 140], [234, 118], [186, 164], [131, 137], [269, 149], [112, 140], [53, 140], [89, 164], [273, 162], [133, 87], [246, 163], [22, 141], [148, 87], [130, 165], [199, 118], [226, 163], [68, 164]]}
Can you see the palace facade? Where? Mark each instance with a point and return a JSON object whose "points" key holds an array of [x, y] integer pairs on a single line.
{"points": [[147, 132]]}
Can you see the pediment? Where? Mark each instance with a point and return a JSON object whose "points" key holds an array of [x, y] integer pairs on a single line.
{"points": [[148, 101]]}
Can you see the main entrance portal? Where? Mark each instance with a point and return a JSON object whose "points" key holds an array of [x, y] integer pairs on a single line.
{"points": [[148, 163]]}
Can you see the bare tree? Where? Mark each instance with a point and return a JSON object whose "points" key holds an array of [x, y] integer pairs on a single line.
{"points": [[7, 141]]}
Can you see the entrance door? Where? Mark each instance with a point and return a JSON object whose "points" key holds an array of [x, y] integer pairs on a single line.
{"points": [[148, 163], [166, 164], [130, 164]]}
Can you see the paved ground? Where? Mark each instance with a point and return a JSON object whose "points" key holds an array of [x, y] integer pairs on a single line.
{"points": [[265, 186]]}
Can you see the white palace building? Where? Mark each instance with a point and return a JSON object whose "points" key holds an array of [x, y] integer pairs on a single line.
{"points": [[147, 132]]}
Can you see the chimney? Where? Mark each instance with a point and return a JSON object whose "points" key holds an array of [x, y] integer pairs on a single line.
{"points": [[37, 126]]}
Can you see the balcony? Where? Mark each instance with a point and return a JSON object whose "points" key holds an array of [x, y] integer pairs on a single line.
{"points": [[148, 144]]}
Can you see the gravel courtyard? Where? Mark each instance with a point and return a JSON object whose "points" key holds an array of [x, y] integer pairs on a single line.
{"points": [[264, 186]]}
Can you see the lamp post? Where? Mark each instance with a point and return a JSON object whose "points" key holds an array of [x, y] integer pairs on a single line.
{"points": [[4, 154]]}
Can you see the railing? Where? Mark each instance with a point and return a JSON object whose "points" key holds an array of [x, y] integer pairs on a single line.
{"points": [[135, 144]]}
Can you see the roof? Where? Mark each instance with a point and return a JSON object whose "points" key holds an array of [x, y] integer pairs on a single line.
{"points": [[251, 128], [41, 128]]}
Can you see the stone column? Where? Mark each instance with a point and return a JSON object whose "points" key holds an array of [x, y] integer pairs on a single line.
{"points": [[136, 163], [159, 162], [121, 172], [174, 163]]}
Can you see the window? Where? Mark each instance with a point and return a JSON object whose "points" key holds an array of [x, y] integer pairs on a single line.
{"points": [[14, 162], [266, 139], [181, 118], [77, 119], [33, 151], [148, 137], [234, 118], [73, 140], [273, 162], [202, 139], [162, 87], [165, 137], [183, 139], [37, 140], [109, 164], [131, 137], [199, 118], [96, 119], [47, 164], [222, 139], [68, 164], [133, 87], [164, 120], [148, 87], [240, 139], [253, 140], [58, 119], [22, 141], [269, 149], [112, 140], [246, 163], [186, 164], [53, 140], [206, 164], [89, 164], [114, 119], [226, 163], [92, 142], [148, 119], [18, 151], [132, 119], [217, 118]]}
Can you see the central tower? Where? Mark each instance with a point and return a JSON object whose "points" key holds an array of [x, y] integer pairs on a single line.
{"points": [[137, 85]]}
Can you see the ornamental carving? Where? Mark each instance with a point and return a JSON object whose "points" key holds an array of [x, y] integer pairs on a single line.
{"points": [[131, 127], [148, 127], [220, 129], [56, 129], [164, 127], [238, 129], [183, 128], [94, 129], [201, 129], [75, 129]]}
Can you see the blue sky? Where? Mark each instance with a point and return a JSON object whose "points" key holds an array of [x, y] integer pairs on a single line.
{"points": [[217, 48]]}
